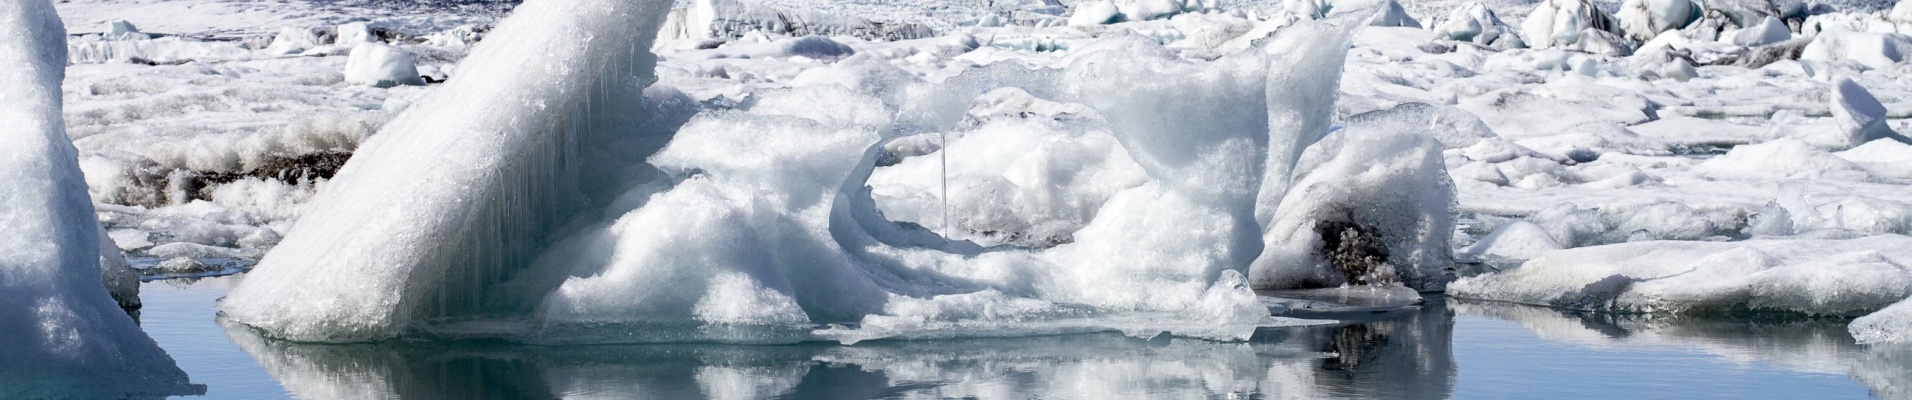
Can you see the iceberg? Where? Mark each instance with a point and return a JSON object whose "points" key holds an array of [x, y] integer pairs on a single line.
{"points": [[66, 335], [464, 188], [577, 206], [1890, 325], [1809, 277]]}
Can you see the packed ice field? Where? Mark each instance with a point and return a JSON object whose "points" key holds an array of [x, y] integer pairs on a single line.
{"points": [[601, 171]]}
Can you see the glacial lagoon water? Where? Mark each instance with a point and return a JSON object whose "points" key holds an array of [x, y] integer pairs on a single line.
{"points": [[1445, 349]]}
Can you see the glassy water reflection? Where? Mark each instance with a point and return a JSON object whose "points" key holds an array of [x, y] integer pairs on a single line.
{"points": [[1445, 348]]}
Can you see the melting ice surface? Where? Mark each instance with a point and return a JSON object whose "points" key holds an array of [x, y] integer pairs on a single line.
{"points": [[546, 196]]}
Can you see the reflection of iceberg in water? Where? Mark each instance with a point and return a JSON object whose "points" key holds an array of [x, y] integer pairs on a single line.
{"points": [[1820, 346], [1401, 358]]}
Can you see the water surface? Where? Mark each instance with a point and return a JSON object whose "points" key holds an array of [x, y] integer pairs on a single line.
{"points": [[1443, 349]]}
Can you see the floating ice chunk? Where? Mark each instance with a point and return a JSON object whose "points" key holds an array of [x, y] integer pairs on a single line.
{"points": [[1768, 31], [1646, 19], [1144, 10], [1873, 50], [1572, 226], [1481, 171], [1094, 13], [1309, 9], [1811, 277], [1476, 23], [814, 47], [1891, 325], [1392, 14], [65, 336], [1668, 40], [1678, 69], [1742, 12], [1518, 240], [351, 34], [1783, 158], [292, 40], [122, 282], [120, 29], [381, 65], [1564, 23], [1859, 115], [1664, 221]]}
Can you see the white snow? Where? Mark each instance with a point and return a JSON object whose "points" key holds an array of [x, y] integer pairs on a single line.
{"points": [[66, 335]]}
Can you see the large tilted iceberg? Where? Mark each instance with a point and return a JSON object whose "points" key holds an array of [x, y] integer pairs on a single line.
{"points": [[467, 187], [548, 196], [64, 334]]}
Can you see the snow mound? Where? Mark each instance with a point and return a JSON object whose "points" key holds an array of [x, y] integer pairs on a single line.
{"points": [[65, 334], [1807, 277], [381, 65]]}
